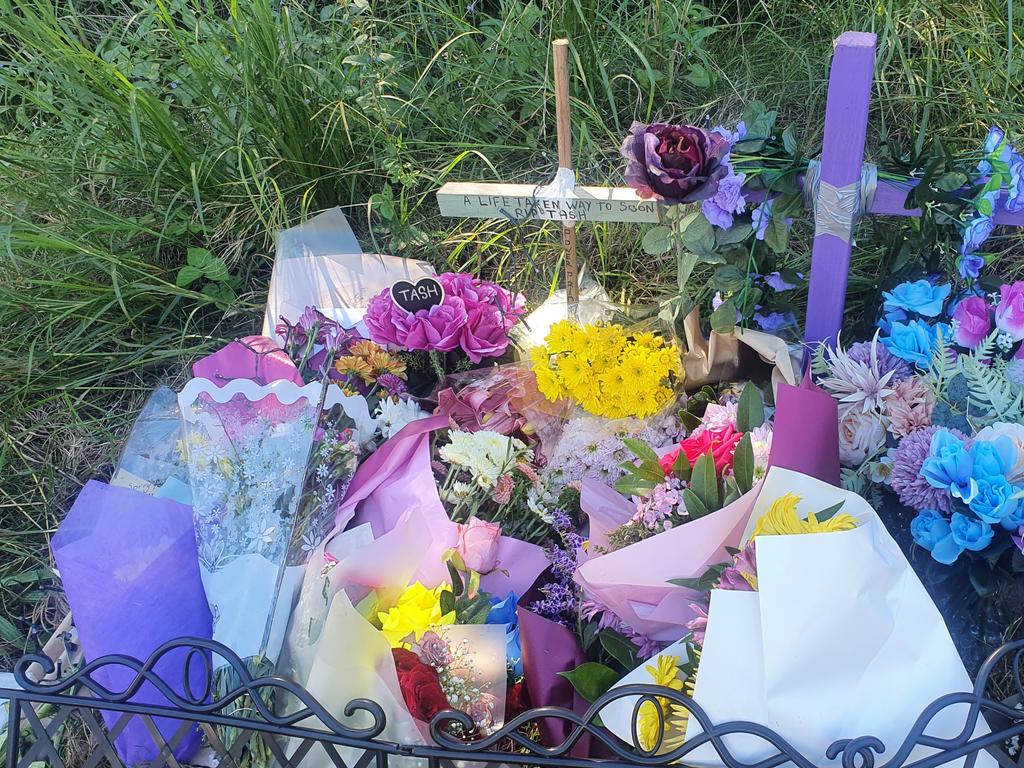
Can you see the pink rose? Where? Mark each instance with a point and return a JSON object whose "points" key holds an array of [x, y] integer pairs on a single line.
{"points": [[484, 333], [1010, 312], [972, 321], [861, 435], [437, 328], [478, 544]]}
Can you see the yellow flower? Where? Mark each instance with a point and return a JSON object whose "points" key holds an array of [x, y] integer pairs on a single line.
{"points": [[574, 371], [383, 362], [350, 365], [782, 519], [363, 348], [417, 610], [563, 336], [548, 383], [650, 728]]}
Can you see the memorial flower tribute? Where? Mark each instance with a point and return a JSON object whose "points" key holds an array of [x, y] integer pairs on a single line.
{"points": [[415, 505]]}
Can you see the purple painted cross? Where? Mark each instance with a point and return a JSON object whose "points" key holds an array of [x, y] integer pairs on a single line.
{"points": [[846, 119]]}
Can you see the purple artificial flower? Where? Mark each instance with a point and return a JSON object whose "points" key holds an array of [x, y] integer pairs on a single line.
{"points": [[727, 201], [698, 625], [1015, 196], [774, 322], [675, 163], [391, 384], [995, 142], [861, 352], [777, 282], [908, 458], [976, 233], [732, 136], [762, 215], [970, 266]]}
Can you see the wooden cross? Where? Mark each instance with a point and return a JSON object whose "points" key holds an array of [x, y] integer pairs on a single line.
{"points": [[842, 157]]}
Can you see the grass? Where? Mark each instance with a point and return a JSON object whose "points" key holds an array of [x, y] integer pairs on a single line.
{"points": [[131, 132]]}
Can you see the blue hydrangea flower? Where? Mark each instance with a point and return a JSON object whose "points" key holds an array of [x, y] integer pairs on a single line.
{"points": [[919, 296], [912, 341]]}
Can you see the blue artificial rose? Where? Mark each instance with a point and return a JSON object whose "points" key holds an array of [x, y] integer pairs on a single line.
{"points": [[1015, 198], [1015, 517], [977, 231], [929, 528], [949, 466], [912, 341], [993, 501], [969, 532], [996, 148], [503, 611], [970, 265], [993, 457], [921, 297]]}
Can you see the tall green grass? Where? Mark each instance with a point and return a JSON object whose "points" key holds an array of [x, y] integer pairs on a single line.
{"points": [[130, 132]]}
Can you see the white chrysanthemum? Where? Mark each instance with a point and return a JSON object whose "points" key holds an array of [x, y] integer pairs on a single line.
{"points": [[857, 386], [392, 416]]}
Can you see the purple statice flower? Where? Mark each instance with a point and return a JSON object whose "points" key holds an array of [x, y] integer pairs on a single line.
{"points": [[391, 384], [907, 460], [774, 322], [861, 352], [561, 602], [728, 200], [777, 283]]}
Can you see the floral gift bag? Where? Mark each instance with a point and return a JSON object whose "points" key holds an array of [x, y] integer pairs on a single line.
{"points": [[247, 448]]}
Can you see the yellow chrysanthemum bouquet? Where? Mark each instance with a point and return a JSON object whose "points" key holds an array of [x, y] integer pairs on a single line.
{"points": [[607, 370]]}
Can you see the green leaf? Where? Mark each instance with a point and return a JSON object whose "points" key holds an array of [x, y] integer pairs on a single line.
{"points": [[699, 235], [648, 470], [446, 601], [750, 411], [694, 506], [198, 257], [982, 578], [589, 633], [187, 275], [776, 236], [728, 279], [737, 233], [704, 482], [698, 75], [632, 485], [743, 464], [620, 649], [681, 467], [591, 679], [657, 240], [951, 181], [216, 270], [641, 449], [457, 586], [829, 512], [10, 634], [723, 319], [789, 139]]}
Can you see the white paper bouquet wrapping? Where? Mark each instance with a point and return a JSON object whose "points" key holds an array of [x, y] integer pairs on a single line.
{"points": [[839, 641], [321, 264]]}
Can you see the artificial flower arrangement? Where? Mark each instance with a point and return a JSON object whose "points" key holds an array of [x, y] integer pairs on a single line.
{"points": [[470, 324], [748, 181], [607, 370]]}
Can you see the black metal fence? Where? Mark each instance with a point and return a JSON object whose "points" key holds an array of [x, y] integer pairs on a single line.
{"points": [[41, 714]]}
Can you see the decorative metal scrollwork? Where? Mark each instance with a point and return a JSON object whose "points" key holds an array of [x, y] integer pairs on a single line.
{"points": [[311, 726]]}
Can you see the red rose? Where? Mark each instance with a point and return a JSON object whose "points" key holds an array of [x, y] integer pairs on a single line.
{"points": [[517, 700], [420, 686], [722, 445]]}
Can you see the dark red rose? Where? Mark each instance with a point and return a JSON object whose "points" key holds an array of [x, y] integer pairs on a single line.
{"points": [[517, 700], [420, 686], [405, 660], [677, 163]]}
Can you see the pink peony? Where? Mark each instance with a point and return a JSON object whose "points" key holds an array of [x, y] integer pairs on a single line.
{"points": [[860, 436], [909, 407], [972, 321], [478, 544], [1010, 311]]}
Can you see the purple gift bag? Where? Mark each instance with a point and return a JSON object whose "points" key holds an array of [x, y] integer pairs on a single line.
{"points": [[129, 567]]}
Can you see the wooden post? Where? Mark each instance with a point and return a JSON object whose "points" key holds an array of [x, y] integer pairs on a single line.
{"points": [[563, 128], [846, 120]]}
